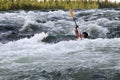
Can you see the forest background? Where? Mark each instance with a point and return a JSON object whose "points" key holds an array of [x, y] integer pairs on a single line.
{"points": [[55, 4]]}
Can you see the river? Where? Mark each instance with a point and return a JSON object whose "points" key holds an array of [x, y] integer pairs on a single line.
{"points": [[41, 45]]}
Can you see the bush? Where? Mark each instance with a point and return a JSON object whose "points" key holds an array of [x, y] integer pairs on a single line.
{"points": [[51, 4]]}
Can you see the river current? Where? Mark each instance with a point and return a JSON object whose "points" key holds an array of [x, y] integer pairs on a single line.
{"points": [[41, 45]]}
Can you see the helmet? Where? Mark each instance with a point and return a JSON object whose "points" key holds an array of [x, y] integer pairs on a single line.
{"points": [[85, 34]]}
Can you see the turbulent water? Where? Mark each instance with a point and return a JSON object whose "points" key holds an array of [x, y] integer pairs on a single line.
{"points": [[41, 45]]}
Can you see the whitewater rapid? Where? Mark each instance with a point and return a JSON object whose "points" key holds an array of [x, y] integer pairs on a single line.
{"points": [[40, 45], [88, 53]]}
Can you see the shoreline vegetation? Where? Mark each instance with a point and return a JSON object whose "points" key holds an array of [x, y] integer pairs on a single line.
{"points": [[55, 4]]}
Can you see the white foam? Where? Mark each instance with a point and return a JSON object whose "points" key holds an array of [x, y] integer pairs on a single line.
{"points": [[36, 38], [27, 25], [59, 13], [31, 52], [66, 54], [93, 29], [26, 19]]}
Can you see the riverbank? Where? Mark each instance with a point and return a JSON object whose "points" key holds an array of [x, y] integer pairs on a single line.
{"points": [[51, 4]]}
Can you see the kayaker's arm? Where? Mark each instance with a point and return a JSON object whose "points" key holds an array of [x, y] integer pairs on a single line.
{"points": [[78, 35]]}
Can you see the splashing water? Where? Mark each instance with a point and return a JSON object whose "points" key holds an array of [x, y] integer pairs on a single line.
{"points": [[26, 57]]}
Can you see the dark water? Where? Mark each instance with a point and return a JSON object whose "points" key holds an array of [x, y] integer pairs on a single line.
{"points": [[15, 25], [70, 74], [41, 45]]}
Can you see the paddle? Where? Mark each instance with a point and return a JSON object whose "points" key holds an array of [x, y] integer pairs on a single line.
{"points": [[72, 14]]}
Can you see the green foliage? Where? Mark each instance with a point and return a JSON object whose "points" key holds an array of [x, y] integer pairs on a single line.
{"points": [[54, 4]]}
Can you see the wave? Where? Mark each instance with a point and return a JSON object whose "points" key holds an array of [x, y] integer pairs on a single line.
{"points": [[99, 23], [42, 45], [31, 56], [88, 53], [58, 38]]}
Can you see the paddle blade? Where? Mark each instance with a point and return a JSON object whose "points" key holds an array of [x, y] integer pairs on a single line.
{"points": [[71, 13]]}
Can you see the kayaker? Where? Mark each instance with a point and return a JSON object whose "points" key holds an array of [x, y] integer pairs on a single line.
{"points": [[79, 35]]}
